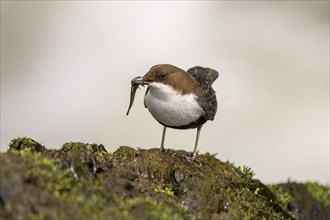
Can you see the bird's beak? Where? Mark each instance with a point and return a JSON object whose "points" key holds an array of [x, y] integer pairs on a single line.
{"points": [[140, 80]]}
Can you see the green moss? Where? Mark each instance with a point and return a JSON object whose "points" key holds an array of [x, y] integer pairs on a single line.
{"points": [[45, 172], [83, 181], [303, 201], [31, 180], [246, 172], [25, 143], [126, 152], [150, 208], [166, 190], [78, 146], [319, 192], [283, 197]]}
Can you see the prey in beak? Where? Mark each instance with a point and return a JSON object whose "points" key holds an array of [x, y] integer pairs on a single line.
{"points": [[135, 83], [178, 99]]}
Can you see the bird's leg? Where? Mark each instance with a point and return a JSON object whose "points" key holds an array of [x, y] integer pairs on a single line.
{"points": [[196, 142], [163, 139]]}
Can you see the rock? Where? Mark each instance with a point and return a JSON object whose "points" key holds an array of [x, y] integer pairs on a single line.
{"points": [[84, 181], [26, 143]]}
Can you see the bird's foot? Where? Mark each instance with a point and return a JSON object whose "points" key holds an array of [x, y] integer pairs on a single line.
{"points": [[162, 149], [191, 156]]}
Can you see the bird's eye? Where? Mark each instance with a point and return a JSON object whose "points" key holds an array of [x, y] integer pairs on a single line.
{"points": [[161, 75]]}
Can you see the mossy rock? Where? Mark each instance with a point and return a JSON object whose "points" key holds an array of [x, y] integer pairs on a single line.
{"points": [[78, 146], [126, 152], [304, 201], [84, 181], [26, 143]]}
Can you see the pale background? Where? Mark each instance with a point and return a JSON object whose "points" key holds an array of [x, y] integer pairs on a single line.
{"points": [[66, 69]]}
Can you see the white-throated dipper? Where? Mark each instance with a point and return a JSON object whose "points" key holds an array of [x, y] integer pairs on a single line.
{"points": [[178, 99]]}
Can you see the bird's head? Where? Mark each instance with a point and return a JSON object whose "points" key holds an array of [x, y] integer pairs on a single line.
{"points": [[169, 75]]}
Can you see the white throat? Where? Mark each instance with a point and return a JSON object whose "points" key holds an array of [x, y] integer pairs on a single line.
{"points": [[170, 107]]}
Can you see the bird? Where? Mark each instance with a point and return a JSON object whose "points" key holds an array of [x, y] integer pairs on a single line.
{"points": [[178, 99]]}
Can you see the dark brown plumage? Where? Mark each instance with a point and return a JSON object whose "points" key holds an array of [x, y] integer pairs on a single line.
{"points": [[179, 99]]}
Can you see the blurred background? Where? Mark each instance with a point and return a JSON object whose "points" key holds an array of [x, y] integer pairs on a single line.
{"points": [[66, 68]]}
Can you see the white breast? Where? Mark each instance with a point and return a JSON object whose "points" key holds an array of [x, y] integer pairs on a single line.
{"points": [[170, 107]]}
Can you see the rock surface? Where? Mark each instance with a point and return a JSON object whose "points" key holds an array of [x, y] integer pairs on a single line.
{"points": [[84, 181]]}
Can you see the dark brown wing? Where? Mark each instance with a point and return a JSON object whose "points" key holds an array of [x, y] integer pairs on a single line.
{"points": [[211, 74], [206, 95]]}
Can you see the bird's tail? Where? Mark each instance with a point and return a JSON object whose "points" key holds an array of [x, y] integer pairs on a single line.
{"points": [[211, 74]]}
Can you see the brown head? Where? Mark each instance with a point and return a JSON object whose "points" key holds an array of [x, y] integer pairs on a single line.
{"points": [[172, 76]]}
